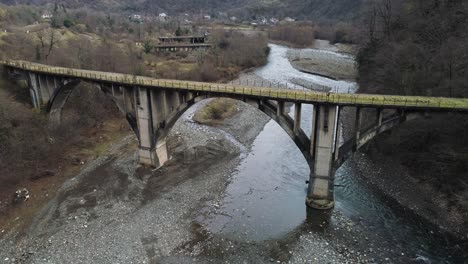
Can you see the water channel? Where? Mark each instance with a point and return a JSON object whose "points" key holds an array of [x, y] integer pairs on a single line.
{"points": [[265, 198]]}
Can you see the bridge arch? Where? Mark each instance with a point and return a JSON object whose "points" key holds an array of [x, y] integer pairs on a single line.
{"points": [[152, 113], [276, 112], [64, 89]]}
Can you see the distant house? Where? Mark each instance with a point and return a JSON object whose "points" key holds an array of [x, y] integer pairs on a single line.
{"points": [[47, 15], [233, 18], [162, 17], [136, 18], [207, 17], [274, 21], [288, 19]]}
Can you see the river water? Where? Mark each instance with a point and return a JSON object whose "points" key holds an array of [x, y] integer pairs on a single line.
{"points": [[266, 196]]}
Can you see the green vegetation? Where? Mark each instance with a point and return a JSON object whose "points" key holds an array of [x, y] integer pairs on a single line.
{"points": [[68, 23]]}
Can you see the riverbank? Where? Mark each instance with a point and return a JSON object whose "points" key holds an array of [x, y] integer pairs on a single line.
{"points": [[16, 217], [152, 208], [324, 59], [421, 170], [399, 197]]}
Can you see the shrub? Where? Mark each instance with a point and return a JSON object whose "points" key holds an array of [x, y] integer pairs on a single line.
{"points": [[301, 35], [68, 23], [208, 72]]}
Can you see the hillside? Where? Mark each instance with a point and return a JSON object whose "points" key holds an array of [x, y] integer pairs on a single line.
{"points": [[311, 9]]}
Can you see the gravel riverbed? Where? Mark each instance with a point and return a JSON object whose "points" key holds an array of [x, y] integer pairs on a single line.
{"points": [[324, 60], [117, 212]]}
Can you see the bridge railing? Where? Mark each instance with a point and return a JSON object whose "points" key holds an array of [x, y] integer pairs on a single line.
{"points": [[284, 93]]}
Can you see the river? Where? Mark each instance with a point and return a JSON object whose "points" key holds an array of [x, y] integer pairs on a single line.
{"points": [[265, 198]]}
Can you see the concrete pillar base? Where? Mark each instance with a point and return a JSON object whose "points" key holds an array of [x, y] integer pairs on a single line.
{"points": [[320, 203], [146, 157], [153, 157], [161, 154]]}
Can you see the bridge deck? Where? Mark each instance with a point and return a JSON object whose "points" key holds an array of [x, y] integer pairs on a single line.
{"points": [[365, 100], [183, 45]]}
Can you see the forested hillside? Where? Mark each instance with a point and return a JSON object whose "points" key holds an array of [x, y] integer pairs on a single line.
{"points": [[417, 47], [310, 9]]}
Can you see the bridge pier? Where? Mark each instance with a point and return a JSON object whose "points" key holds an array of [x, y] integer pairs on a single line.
{"points": [[297, 118], [379, 116], [324, 135], [34, 90], [151, 151], [280, 108], [357, 127]]}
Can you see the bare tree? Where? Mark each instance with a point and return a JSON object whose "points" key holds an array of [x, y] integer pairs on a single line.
{"points": [[48, 40]]}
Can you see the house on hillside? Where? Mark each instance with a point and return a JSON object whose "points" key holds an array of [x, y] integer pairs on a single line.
{"points": [[274, 21], [288, 19], [207, 17], [47, 15], [162, 17], [136, 18]]}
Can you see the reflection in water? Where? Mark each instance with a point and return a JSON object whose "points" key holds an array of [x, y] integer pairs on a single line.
{"points": [[266, 196]]}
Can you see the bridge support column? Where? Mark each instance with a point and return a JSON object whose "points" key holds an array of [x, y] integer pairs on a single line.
{"points": [[297, 118], [150, 153], [280, 108], [357, 127], [320, 191], [379, 117], [35, 90]]}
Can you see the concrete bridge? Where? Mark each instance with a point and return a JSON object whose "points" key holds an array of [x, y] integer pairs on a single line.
{"points": [[181, 47], [152, 106]]}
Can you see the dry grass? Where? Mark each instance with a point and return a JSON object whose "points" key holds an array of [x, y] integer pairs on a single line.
{"points": [[44, 189], [216, 111]]}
